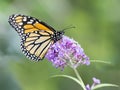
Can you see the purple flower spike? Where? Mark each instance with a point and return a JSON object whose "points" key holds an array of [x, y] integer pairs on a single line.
{"points": [[67, 52]]}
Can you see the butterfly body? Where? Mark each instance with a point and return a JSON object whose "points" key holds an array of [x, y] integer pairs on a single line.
{"points": [[36, 36]]}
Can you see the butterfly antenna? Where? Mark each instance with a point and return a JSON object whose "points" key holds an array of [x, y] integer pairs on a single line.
{"points": [[68, 28]]}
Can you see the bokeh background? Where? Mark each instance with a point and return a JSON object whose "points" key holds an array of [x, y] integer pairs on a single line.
{"points": [[97, 30]]}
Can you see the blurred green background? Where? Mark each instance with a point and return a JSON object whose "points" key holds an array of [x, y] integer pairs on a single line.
{"points": [[97, 30]]}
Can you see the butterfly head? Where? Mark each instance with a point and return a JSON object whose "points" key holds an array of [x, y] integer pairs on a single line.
{"points": [[58, 35]]}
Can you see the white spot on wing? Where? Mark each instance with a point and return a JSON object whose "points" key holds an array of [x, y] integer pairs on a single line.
{"points": [[24, 19], [29, 22], [20, 23]]}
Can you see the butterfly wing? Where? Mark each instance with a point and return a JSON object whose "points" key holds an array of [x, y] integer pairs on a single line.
{"points": [[24, 24], [35, 35], [35, 45]]}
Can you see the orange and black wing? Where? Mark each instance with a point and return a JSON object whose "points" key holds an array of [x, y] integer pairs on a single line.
{"points": [[35, 35], [24, 24]]}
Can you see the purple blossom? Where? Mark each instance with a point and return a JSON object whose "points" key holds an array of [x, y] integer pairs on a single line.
{"points": [[88, 87], [67, 52], [95, 82]]}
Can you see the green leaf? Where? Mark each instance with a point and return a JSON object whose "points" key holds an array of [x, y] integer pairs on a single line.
{"points": [[104, 85], [70, 77]]}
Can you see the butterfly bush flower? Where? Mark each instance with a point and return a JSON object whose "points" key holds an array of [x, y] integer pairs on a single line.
{"points": [[95, 82], [67, 52]]}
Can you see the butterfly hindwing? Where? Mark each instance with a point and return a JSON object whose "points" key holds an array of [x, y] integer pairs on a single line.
{"points": [[35, 45]]}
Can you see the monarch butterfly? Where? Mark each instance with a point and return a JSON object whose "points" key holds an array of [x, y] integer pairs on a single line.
{"points": [[36, 35]]}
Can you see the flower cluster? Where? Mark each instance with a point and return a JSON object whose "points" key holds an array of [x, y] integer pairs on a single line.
{"points": [[67, 52], [95, 82]]}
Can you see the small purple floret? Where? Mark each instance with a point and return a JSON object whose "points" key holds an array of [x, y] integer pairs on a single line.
{"points": [[67, 52], [95, 82], [88, 87]]}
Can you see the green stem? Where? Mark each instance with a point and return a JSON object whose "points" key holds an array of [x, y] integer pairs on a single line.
{"points": [[80, 79], [77, 74]]}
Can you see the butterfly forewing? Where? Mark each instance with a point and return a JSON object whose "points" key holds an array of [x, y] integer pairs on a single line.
{"points": [[25, 24]]}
